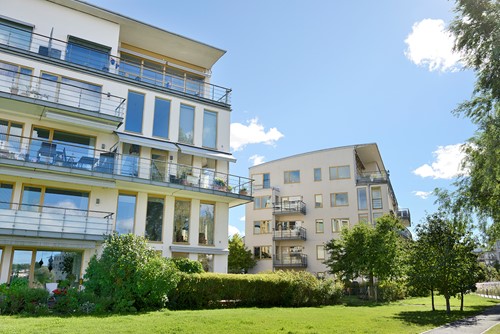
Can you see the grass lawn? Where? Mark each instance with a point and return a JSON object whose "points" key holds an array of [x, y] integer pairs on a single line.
{"points": [[408, 316]]}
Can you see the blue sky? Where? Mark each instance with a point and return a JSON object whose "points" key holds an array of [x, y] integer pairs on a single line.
{"points": [[308, 75]]}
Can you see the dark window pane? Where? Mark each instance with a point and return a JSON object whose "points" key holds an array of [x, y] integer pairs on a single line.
{"points": [[135, 109], [161, 118]]}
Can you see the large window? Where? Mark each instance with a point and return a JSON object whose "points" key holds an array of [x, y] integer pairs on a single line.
{"points": [[186, 124], [320, 252], [130, 159], [86, 53], [154, 219], [362, 200], [10, 137], [320, 226], [363, 218], [21, 265], [15, 78], [5, 195], [210, 129], [262, 252], [207, 224], [135, 110], [261, 227], [339, 199], [125, 214], [262, 202], [161, 118], [15, 34], [55, 200], [317, 174], [318, 201], [52, 266], [292, 176], [266, 180], [182, 217], [339, 223], [376, 198], [340, 172]]}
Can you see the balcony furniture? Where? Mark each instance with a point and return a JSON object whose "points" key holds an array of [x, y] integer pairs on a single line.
{"points": [[47, 152], [86, 163], [60, 157]]}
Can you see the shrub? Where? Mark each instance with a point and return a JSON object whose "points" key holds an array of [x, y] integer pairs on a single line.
{"points": [[20, 298], [391, 291], [132, 275], [187, 266]]}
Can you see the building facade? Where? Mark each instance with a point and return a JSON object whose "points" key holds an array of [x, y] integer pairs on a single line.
{"points": [[108, 124], [303, 201]]}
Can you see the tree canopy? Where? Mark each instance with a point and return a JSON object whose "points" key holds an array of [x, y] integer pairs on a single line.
{"points": [[240, 259]]}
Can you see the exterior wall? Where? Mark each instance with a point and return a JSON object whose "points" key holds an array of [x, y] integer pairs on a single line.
{"points": [[307, 188], [63, 21]]}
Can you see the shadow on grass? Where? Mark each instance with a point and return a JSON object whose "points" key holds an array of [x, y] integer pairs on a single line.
{"points": [[355, 301], [439, 317]]}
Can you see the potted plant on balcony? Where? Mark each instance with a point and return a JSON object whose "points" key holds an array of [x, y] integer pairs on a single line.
{"points": [[219, 184], [243, 191], [14, 89]]}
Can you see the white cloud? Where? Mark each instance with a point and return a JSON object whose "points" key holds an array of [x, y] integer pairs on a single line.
{"points": [[447, 163], [232, 230], [431, 45], [242, 218], [252, 133], [422, 194], [256, 159]]}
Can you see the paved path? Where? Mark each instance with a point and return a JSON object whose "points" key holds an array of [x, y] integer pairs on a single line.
{"points": [[474, 325]]}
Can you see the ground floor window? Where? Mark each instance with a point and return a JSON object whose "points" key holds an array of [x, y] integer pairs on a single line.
{"points": [[125, 214], [207, 224], [207, 261], [154, 219], [182, 217], [262, 252]]}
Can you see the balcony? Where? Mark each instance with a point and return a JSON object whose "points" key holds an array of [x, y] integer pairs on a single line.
{"points": [[371, 177], [404, 215], [54, 222], [295, 234], [290, 261], [98, 60], [49, 91], [406, 234], [63, 157], [289, 208]]}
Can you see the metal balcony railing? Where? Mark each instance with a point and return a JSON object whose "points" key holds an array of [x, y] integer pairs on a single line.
{"points": [[294, 234], [40, 89], [54, 222], [289, 207], [71, 158], [293, 260], [404, 215], [101, 60]]}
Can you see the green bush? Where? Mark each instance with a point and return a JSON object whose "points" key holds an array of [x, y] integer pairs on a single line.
{"points": [[130, 276], [20, 298], [187, 266], [280, 289], [389, 291]]}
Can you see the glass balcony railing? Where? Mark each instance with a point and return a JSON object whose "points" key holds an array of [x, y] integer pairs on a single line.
{"points": [[70, 157], [102, 61], [289, 207], [290, 234], [54, 222], [292, 260], [41, 89], [372, 177]]}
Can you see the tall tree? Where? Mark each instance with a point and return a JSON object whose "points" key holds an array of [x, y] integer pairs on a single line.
{"points": [[239, 259], [374, 252], [477, 38]]}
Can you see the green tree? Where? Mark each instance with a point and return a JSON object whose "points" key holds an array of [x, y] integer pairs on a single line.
{"points": [[421, 274], [477, 37], [375, 252], [240, 259], [130, 274]]}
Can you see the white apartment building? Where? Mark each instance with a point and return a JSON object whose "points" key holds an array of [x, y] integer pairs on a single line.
{"points": [[108, 124], [303, 201]]}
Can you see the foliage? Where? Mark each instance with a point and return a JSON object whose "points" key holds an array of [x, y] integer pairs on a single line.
{"points": [[368, 251], [477, 31], [198, 291], [490, 273], [131, 274], [187, 266], [240, 259], [20, 298], [392, 290]]}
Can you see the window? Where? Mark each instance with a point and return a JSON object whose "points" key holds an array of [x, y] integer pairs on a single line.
{"points": [[5, 195], [207, 262], [15, 34], [54, 265], [318, 201], [60, 201], [130, 159], [340, 172], [21, 265], [317, 174], [377, 215], [154, 219], [266, 180], [339, 223], [362, 200], [210, 129], [186, 124], [261, 227], [320, 226], [363, 218], [161, 118], [125, 214], [17, 77], [182, 217], [339, 199], [207, 224], [86, 53], [10, 136], [262, 252], [135, 110], [292, 176], [376, 198], [262, 202], [159, 165], [320, 252]]}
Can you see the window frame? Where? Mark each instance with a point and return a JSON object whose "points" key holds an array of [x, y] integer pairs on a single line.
{"points": [[259, 256], [317, 223], [338, 224], [289, 178], [374, 199], [182, 114], [136, 119], [156, 116], [318, 248], [317, 176], [207, 128], [334, 172], [333, 199], [210, 239], [316, 202], [162, 222], [267, 223]]}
